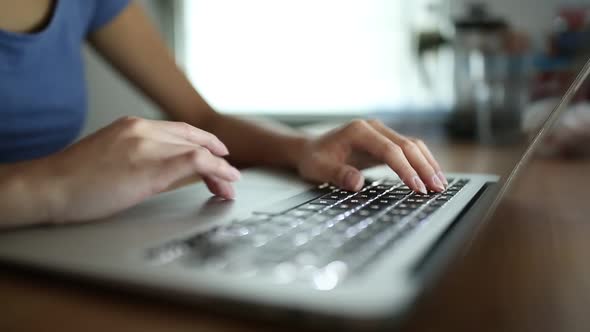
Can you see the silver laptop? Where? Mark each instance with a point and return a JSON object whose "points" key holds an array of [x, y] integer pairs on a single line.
{"points": [[283, 250]]}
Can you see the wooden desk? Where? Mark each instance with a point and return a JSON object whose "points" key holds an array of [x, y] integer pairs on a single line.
{"points": [[527, 271]]}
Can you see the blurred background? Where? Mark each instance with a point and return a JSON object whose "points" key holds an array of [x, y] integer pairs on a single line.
{"points": [[485, 69]]}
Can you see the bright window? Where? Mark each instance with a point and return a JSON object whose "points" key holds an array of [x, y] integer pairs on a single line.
{"points": [[304, 56]]}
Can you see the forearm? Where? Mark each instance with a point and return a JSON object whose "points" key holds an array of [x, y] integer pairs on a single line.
{"points": [[257, 143], [25, 195], [126, 41]]}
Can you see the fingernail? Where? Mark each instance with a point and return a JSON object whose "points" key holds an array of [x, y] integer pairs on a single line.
{"points": [[438, 185], [229, 192], [220, 148], [224, 150], [235, 173], [351, 180], [443, 178], [419, 185]]}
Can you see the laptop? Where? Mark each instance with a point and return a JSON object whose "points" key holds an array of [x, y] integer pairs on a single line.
{"points": [[284, 250]]}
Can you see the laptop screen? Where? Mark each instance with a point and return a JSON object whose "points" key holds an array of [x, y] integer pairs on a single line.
{"points": [[522, 152]]}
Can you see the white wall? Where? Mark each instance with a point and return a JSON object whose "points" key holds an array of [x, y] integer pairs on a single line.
{"points": [[109, 96]]}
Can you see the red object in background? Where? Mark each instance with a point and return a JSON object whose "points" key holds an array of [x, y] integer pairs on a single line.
{"points": [[554, 83], [568, 47], [576, 17]]}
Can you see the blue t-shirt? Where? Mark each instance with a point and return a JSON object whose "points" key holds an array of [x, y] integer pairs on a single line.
{"points": [[43, 99]]}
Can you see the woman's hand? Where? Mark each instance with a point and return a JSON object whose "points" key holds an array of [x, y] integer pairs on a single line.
{"points": [[337, 157], [129, 161]]}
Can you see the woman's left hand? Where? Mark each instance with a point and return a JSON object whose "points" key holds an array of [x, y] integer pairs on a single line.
{"points": [[338, 156]]}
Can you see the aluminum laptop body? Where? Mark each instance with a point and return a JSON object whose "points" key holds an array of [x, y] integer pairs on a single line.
{"points": [[158, 247]]}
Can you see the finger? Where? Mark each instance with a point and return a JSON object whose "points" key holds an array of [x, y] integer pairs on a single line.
{"points": [[165, 175], [207, 164], [341, 175], [158, 150], [192, 135], [430, 157], [199, 161], [366, 138], [415, 155], [220, 187]]}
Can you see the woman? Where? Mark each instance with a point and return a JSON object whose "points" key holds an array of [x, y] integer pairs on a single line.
{"points": [[43, 104]]}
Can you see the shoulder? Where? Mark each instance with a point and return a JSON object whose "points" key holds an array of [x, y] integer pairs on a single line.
{"points": [[97, 13]]}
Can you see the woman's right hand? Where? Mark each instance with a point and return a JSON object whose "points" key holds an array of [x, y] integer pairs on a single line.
{"points": [[129, 161]]}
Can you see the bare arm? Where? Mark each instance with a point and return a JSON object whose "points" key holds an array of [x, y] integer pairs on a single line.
{"points": [[133, 46], [24, 194], [133, 159], [109, 171]]}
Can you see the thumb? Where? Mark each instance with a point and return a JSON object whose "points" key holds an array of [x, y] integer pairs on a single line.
{"points": [[339, 174]]}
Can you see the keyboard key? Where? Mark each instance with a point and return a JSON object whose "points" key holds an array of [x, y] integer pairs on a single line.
{"points": [[383, 201], [363, 196], [356, 200], [343, 225], [301, 239], [332, 212], [401, 192], [390, 218], [313, 207], [307, 258], [427, 196], [366, 212], [256, 219], [343, 206], [399, 212], [260, 239], [286, 221], [382, 187], [390, 182], [407, 206], [352, 232], [346, 192], [328, 242], [338, 195], [341, 228], [372, 193], [317, 219], [325, 202], [300, 213], [376, 207], [284, 272], [437, 203], [355, 218], [393, 197], [231, 231]]}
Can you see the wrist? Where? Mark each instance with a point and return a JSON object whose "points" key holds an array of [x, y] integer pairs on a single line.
{"points": [[295, 149], [47, 190], [26, 197]]}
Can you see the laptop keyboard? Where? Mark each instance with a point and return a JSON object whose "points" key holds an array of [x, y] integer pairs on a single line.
{"points": [[321, 241]]}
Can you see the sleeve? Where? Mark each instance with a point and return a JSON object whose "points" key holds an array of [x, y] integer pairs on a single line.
{"points": [[105, 11]]}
